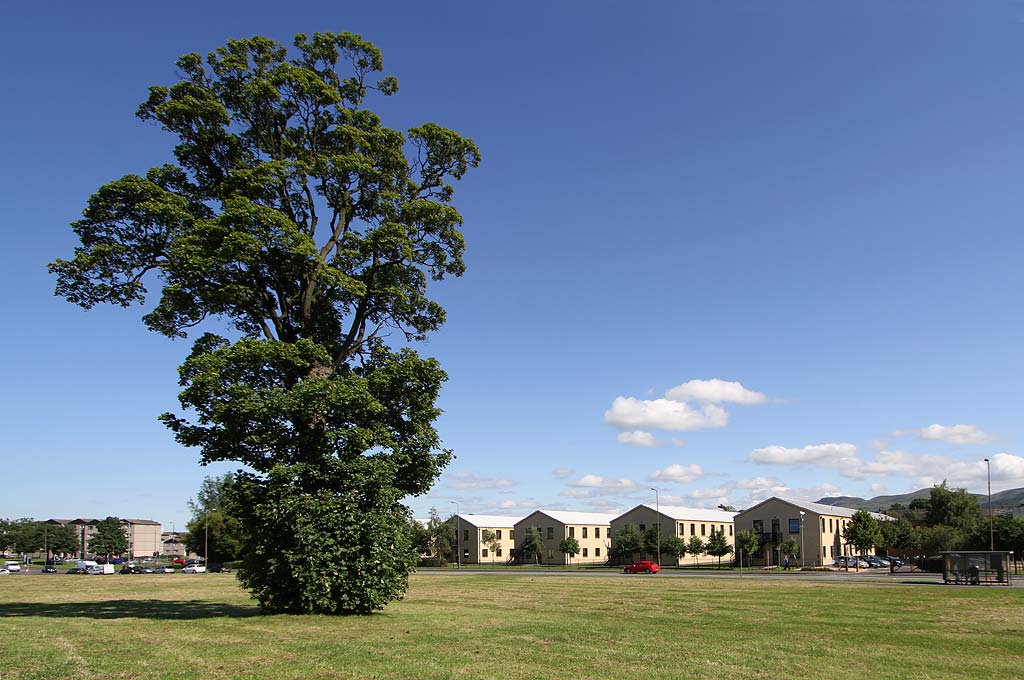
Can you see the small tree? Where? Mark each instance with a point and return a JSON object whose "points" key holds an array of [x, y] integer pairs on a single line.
{"points": [[748, 542], [695, 546], [420, 537], [674, 546], [490, 539], [789, 548], [569, 546], [441, 535], [626, 542], [109, 538], [863, 533], [899, 534], [531, 545], [718, 546]]}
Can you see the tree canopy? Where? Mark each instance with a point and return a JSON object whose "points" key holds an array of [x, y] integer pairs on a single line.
{"points": [[293, 215], [718, 546], [109, 538], [863, 532], [214, 522]]}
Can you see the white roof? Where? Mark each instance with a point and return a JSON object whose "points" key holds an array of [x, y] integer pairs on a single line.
{"points": [[484, 521], [822, 509], [571, 517], [678, 512]]}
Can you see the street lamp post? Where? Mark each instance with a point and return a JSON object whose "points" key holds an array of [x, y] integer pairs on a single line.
{"points": [[802, 539], [458, 539], [657, 509], [991, 527]]}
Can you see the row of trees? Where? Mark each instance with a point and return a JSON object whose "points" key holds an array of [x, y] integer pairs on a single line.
{"points": [[630, 541], [27, 535]]}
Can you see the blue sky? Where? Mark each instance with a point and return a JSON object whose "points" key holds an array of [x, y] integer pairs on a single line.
{"points": [[817, 201]]}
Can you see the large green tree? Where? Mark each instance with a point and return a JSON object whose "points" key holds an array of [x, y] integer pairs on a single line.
{"points": [[953, 507], [863, 533], [627, 542], [531, 546], [109, 539], [748, 542], [295, 216], [718, 546]]}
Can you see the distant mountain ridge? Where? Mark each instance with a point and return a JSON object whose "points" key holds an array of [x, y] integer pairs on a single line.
{"points": [[1011, 498]]}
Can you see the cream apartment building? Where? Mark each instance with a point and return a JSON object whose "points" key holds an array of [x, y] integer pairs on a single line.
{"points": [[590, 529], [144, 535], [678, 521], [821, 527], [474, 549]]}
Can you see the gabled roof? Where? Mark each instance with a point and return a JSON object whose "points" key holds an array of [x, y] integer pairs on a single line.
{"points": [[141, 521], [483, 521], [678, 512], [571, 517], [821, 508]]}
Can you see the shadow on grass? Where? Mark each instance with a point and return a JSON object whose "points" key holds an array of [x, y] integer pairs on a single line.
{"points": [[169, 610]]}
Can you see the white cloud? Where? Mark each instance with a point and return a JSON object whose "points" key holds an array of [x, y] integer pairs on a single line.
{"points": [[599, 482], [467, 480], [879, 444], [951, 434], [715, 391], [877, 489], [563, 472], [640, 438], [677, 473], [1007, 473], [663, 414], [830, 454]]}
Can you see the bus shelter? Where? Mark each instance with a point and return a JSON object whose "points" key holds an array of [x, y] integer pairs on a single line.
{"points": [[976, 567]]}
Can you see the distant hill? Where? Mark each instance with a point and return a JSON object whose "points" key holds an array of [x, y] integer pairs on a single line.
{"points": [[1011, 498]]}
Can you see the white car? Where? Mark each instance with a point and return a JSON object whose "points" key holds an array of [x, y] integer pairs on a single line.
{"points": [[5, 572], [194, 569], [12, 566]]}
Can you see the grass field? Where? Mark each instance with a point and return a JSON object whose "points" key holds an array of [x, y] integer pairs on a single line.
{"points": [[492, 626]]}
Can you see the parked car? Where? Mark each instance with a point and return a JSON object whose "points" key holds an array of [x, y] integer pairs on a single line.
{"points": [[165, 570], [874, 562], [5, 572], [76, 570], [194, 569], [642, 567], [49, 569], [12, 566], [178, 560], [219, 569], [189, 563]]}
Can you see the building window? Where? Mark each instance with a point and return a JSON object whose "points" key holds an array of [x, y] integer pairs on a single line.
{"points": [[465, 534], [693, 532], [551, 553], [822, 525], [498, 552], [584, 532], [551, 534], [483, 553], [682, 529], [497, 533], [643, 528], [730, 530], [584, 552], [597, 552], [572, 532], [702, 530], [794, 526], [829, 524], [597, 532]]}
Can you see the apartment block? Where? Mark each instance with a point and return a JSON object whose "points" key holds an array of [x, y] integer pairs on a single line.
{"points": [[470, 531], [590, 529], [678, 521]]}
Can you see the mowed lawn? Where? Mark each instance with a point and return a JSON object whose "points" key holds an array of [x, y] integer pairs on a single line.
{"points": [[521, 626]]}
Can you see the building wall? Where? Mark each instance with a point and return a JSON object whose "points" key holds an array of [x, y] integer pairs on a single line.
{"points": [[475, 551], [822, 540], [144, 540], [644, 518], [594, 539]]}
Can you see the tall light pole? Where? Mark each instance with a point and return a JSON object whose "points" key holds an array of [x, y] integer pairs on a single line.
{"points": [[458, 534], [801, 539], [991, 527], [657, 509]]}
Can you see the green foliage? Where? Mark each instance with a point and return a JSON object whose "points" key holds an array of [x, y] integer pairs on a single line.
{"points": [[490, 539], [214, 521], [674, 546], [420, 537], [899, 534], [718, 546], [569, 546], [920, 504], [955, 508], [295, 216], [531, 546], [322, 552], [626, 543], [939, 538], [789, 548], [61, 538], [863, 532], [25, 535], [441, 536], [696, 547], [1008, 532], [748, 542], [109, 538]]}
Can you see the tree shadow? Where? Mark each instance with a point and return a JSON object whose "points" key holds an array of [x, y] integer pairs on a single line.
{"points": [[170, 610]]}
